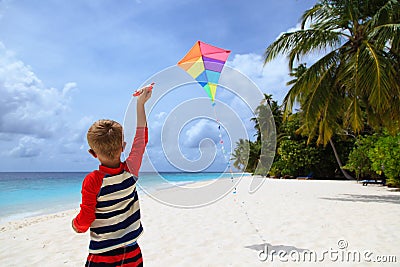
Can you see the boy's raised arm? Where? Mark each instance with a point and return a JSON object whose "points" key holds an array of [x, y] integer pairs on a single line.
{"points": [[141, 100], [135, 157]]}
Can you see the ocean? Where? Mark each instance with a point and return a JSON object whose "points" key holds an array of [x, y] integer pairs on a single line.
{"points": [[27, 194]]}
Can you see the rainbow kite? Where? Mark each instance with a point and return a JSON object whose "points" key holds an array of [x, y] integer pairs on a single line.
{"points": [[204, 63]]}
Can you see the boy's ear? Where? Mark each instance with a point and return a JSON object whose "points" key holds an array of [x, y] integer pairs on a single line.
{"points": [[91, 151], [123, 146]]}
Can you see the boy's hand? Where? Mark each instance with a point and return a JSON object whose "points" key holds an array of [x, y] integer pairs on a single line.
{"points": [[145, 94], [73, 227]]}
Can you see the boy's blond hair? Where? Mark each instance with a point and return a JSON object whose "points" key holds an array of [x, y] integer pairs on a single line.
{"points": [[105, 138]]}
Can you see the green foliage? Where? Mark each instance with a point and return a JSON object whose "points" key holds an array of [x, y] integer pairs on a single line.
{"points": [[359, 161], [377, 155], [296, 158], [254, 155], [385, 158]]}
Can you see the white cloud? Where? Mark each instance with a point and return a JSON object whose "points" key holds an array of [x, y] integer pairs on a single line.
{"points": [[161, 115], [68, 87], [28, 147], [27, 105], [271, 78], [75, 136], [33, 117], [155, 126], [201, 130]]}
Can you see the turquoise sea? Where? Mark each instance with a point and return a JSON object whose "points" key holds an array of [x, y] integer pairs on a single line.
{"points": [[26, 194]]}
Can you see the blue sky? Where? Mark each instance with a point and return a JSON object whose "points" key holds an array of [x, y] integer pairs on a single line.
{"points": [[65, 64]]}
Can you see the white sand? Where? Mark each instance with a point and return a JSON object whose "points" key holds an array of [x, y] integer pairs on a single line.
{"points": [[290, 215]]}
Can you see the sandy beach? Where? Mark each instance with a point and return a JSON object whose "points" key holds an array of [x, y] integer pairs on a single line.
{"points": [[286, 217]]}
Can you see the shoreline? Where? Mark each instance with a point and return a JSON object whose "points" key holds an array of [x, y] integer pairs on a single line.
{"points": [[74, 204], [16, 217]]}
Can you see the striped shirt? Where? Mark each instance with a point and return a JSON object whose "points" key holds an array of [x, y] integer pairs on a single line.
{"points": [[110, 204]]}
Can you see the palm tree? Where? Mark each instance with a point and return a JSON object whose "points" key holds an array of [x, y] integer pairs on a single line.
{"points": [[263, 115], [358, 72], [297, 73], [256, 156], [241, 154]]}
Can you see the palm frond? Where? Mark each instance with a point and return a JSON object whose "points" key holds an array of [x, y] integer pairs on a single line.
{"points": [[311, 14], [388, 13], [308, 80], [328, 122], [386, 34], [377, 77], [301, 43], [349, 74]]}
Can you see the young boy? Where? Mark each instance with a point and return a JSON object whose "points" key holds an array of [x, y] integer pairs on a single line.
{"points": [[110, 205]]}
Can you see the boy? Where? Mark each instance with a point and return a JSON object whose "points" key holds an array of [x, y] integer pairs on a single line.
{"points": [[110, 205]]}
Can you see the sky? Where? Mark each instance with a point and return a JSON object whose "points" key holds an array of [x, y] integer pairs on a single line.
{"points": [[66, 64]]}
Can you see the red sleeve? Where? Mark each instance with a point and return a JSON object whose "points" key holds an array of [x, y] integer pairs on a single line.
{"points": [[135, 157], [90, 189]]}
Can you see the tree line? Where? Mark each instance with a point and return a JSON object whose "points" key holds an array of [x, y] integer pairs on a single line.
{"points": [[347, 123]]}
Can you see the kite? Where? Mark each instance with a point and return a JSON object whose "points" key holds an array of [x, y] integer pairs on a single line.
{"points": [[204, 63]]}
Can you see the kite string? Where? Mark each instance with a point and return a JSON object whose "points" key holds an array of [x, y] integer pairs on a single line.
{"points": [[242, 206], [227, 160], [221, 142]]}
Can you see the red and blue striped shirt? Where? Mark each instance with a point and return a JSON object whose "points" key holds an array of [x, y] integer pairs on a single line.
{"points": [[110, 204]]}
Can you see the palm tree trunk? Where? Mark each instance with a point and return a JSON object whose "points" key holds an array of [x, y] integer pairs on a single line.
{"points": [[346, 175]]}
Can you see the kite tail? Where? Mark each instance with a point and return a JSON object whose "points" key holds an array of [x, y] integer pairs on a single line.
{"points": [[221, 142]]}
